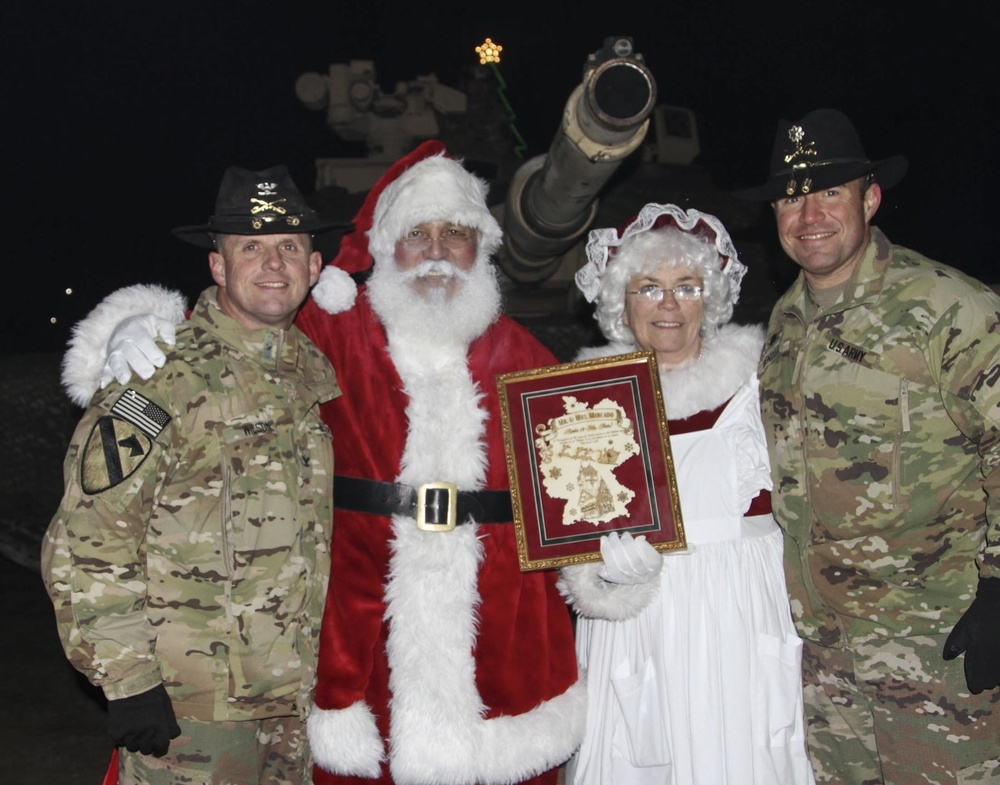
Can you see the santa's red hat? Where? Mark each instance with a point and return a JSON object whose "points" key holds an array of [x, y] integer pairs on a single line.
{"points": [[426, 184]]}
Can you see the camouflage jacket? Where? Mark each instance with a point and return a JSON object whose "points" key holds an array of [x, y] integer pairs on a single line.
{"points": [[192, 542], [883, 419]]}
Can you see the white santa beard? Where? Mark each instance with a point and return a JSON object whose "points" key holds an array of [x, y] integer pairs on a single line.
{"points": [[429, 336], [432, 316]]}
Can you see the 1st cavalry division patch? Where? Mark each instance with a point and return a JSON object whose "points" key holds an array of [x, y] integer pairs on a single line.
{"points": [[120, 442]]}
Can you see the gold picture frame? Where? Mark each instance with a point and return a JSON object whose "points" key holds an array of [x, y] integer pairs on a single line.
{"points": [[588, 452]]}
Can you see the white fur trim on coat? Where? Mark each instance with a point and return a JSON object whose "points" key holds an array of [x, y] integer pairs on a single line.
{"points": [[505, 749], [437, 730], [346, 741], [335, 291], [438, 733], [88, 346], [595, 598], [728, 359]]}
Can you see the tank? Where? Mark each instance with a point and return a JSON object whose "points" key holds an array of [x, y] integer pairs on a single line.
{"points": [[616, 148]]}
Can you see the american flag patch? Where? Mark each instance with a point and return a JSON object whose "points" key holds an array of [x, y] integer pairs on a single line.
{"points": [[141, 412]]}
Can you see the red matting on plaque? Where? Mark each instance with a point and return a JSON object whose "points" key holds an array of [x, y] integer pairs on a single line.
{"points": [[588, 453]]}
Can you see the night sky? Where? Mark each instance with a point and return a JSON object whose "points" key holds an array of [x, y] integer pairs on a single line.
{"points": [[121, 117]]}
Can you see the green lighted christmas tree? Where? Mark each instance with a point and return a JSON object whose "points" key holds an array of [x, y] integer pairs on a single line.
{"points": [[489, 55]]}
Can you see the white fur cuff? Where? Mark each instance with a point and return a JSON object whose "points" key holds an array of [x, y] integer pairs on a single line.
{"points": [[88, 346], [595, 598], [346, 741]]}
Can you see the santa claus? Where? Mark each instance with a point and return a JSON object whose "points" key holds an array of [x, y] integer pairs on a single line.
{"points": [[440, 660]]}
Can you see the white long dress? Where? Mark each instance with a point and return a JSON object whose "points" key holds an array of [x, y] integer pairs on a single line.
{"points": [[703, 686]]}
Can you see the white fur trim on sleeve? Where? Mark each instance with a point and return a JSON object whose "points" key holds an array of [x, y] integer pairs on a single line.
{"points": [[595, 598], [346, 741], [88, 345], [335, 291]]}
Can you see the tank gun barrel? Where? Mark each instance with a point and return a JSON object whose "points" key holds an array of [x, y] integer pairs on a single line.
{"points": [[552, 199]]}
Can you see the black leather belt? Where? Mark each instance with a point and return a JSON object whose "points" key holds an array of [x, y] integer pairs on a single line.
{"points": [[437, 506]]}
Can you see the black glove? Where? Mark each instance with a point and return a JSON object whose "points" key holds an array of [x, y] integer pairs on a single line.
{"points": [[143, 723], [978, 635]]}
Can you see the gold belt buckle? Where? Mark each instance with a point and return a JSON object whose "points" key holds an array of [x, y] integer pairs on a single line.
{"points": [[448, 525]]}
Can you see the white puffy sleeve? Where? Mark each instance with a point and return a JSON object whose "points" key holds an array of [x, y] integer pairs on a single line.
{"points": [[743, 431]]}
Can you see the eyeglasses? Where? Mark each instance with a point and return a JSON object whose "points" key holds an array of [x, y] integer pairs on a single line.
{"points": [[654, 294], [454, 238]]}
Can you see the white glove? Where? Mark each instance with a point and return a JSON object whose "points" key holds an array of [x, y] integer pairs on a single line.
{"points": [[629, 560], [132, 347]]}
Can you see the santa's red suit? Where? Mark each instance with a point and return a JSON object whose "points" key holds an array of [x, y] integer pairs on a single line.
{"points": [[464, 661], [440, 660]]}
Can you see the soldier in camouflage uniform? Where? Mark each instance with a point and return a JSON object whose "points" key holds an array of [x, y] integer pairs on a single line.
{"points": [[440, 661], [880, 390], [189, 559]]}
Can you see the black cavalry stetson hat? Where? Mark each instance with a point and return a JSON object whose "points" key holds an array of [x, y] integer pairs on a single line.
{"points": [[265, 202], [820, 151]]}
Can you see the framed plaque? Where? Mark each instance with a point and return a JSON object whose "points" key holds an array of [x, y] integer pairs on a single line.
{"points": [[588, 453]]}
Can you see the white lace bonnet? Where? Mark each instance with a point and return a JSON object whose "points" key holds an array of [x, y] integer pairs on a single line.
{"points": [[603, 243]]}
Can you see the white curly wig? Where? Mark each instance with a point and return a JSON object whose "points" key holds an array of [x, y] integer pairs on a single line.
{"points": [[661, 233]]}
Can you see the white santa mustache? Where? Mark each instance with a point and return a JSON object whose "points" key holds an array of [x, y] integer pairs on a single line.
{"points": [[435, 268]]}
